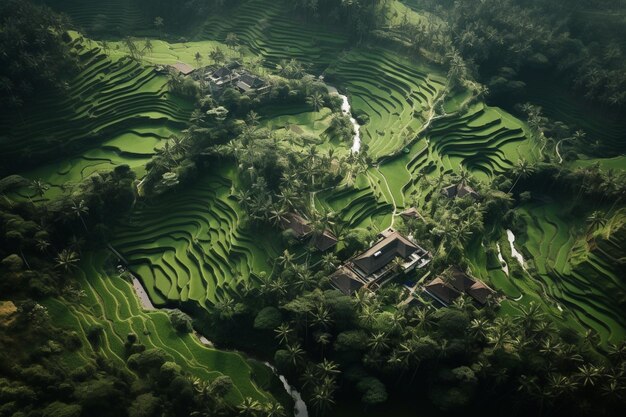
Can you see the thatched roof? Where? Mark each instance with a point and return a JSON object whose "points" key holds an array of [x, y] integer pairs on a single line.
{"points": [[183, 68], [459, 190]]}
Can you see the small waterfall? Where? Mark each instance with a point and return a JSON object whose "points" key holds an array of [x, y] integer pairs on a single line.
{"points": [[299, 408]]}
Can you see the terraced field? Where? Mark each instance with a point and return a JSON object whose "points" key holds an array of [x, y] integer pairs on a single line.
{"points": [[117, 112], [109, 301], [587, 283], [192, 245], [270, 31], [395, 94], [98, 17]]}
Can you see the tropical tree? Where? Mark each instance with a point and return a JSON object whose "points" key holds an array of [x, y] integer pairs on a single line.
{"points": [[522, 169], [595, 221], [217, 55], [284, 333], [316, 100], [232, 40], [198, 58], [67, 260]]}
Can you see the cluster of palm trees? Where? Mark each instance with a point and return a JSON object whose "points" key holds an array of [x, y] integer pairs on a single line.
{"points": [[281, 176]]}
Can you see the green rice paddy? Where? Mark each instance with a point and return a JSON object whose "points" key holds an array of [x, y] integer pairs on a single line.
{"points": [[195, 244], [109, 301]]}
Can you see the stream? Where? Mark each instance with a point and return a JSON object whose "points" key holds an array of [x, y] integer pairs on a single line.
{"points": [[503, 264], [347, 110], [299, 408], [514, 251]]}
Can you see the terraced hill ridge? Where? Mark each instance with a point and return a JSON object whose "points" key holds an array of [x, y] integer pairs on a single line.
{"points": [[118, 111], [109, 301], [194, 245]]}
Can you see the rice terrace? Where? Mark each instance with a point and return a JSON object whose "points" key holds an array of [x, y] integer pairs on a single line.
{"points": [[312, 208]]}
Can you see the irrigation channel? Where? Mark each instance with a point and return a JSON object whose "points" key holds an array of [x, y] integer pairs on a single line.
{"points": [[299, 408]]}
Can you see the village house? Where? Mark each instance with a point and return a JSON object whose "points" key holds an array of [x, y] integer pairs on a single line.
{"points": [[445, 291], [377, 265], [459, 190], [302, 230]]}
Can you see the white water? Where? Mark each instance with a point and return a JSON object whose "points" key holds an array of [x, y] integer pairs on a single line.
{"points": [[514, 251], [347, 110], [299, 408], [503, 263]]}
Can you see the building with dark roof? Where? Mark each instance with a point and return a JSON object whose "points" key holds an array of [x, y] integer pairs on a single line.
{"points": [[459, 190], [376, 265], [301, 229], [411, 213], [457, 283]]}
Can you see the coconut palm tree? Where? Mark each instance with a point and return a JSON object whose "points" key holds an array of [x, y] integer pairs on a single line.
{"points": [[249, 407], [79, 210], [321, 317], [67, 260], [283, 333], [315, 100], [295, 352], [322, 399], [328, 369], [522, 169], [39, 187], [595, 221], [329, 261], [379, 341]]}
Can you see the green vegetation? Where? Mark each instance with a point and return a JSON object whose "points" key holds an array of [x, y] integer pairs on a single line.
{"points": [[121, 144]]}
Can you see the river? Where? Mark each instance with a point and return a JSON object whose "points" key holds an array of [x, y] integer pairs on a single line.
{"points": [[299, 408]]}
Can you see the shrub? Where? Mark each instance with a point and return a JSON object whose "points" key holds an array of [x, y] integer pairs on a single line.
{"points": [[267, 319], [181, 321]]}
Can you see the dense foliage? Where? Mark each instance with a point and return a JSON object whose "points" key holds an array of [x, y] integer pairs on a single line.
{"points": [[35, 56]]}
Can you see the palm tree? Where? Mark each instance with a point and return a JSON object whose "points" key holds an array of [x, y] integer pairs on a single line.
{"points": [[315, 100], [322, 399], [328, 369], [283, 333], [249, 407], [321, 317], [273, 409], [379, 341], [67, 260], [523, 170], [295, 352], [147, 46], [595, 221], [217, 55], [286, 259], [39, 187], [252, 119], [198, 58], [588, 374], [329, 261], [79, 210], [231, 40]]}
